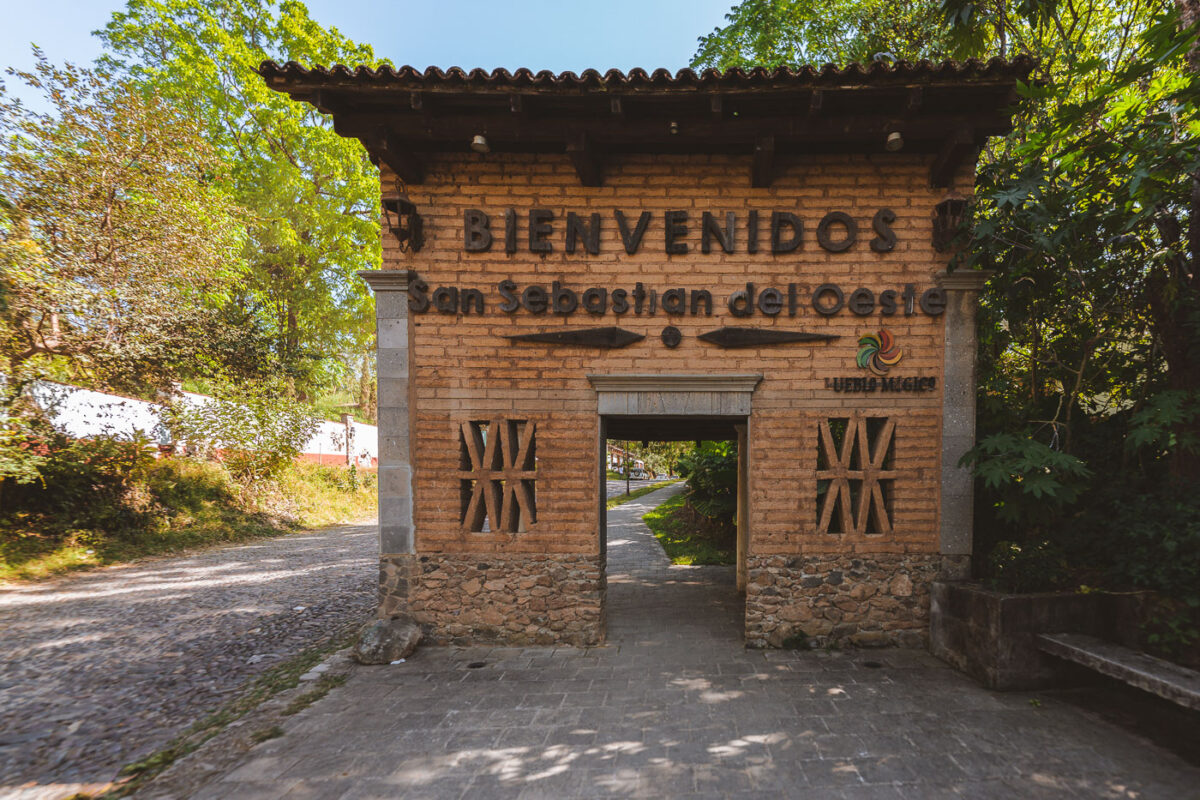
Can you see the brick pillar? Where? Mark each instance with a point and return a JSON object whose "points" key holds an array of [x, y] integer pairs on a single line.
{"points": [[958, 420], [395, 455]]}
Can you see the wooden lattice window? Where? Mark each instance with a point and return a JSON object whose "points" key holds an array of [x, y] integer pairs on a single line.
{"points": [[854, 475], [497, 472]]}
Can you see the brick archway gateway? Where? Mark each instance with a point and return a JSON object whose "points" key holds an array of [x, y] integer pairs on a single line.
{"points": [[681, 408], [797, 225]]}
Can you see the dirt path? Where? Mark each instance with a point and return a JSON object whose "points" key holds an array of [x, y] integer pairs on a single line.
{"points": [[102, 668]]}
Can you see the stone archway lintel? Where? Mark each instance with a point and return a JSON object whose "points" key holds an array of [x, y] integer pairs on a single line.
{"points": [[675, 383], [675, 395]]}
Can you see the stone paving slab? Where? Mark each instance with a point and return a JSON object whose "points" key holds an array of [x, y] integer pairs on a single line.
{"points": [[674, 706], [104, 667]]}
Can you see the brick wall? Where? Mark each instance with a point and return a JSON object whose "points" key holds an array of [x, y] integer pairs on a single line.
{"points": [[462, 369]]}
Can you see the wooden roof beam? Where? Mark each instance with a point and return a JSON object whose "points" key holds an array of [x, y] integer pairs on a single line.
{"points": [[927, 132], [957, 148], [763, 170], [916, 96], [323, 102], [589, 165], [383, 146]]}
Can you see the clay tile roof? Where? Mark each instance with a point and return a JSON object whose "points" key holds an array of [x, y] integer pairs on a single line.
{"points": [[401, 114], [877, 73]]}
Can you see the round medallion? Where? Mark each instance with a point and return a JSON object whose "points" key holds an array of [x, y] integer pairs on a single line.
{"points": [[671, 336]]}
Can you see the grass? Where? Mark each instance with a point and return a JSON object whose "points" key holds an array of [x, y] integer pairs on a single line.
{"points": [[323, 685], [273, 732], [613, 502], [278, 679], [175, 505], [688, 538]]}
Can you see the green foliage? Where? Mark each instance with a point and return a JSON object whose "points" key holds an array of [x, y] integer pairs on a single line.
{"points": [[1091, 324], [251, 429], [312, 195], [711, 471], [1028, 479], [87, 480], [112, 234], [324, 685], [1090, 330], [1038, 566], [689, 538], [343, 479], [1149, 537], [659, 457], [106, 501], [1165, 424], [20, 458], [798, 32]]}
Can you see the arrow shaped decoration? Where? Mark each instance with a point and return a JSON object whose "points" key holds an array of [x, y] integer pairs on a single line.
{"points": [[607, 338], [757, 337]]}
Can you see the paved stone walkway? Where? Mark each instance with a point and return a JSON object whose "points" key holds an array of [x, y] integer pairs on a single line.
{"points": [[674, 707], [102, 668], [615, 488]]}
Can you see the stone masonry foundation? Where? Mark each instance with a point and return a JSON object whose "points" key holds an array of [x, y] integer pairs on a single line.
{"points": [[504, 599], [865, 600]]}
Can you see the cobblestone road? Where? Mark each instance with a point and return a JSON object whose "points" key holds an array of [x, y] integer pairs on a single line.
{"points": [[675, 707], [104, 667]]}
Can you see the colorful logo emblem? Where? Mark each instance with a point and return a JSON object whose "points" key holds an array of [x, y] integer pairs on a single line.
{"points": [[878, 352]]}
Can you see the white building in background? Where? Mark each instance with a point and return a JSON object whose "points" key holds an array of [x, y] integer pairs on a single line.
{"points": [[85, 414]]}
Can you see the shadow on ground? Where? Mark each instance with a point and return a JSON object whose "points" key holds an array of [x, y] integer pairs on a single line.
{"points": [[104, 667], [674, 706]]}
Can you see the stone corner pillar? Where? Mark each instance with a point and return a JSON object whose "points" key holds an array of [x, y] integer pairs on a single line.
{"points": [[395, 455], [956, 534]]}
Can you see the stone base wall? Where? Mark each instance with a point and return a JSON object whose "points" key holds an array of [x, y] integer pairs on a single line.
{"points": [[464, 599], [864, 600]]}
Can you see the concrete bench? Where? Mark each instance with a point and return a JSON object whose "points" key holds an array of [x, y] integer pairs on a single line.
{"points": [[1170, 681]]}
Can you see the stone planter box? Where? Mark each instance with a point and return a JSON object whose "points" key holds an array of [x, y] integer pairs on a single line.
{"points": [[990, 635]]}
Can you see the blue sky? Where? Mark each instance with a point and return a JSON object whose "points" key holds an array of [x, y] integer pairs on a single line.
{"points": [[569, 34]]}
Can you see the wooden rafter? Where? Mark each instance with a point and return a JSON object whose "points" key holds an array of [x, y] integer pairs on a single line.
{"points": [[588, 163], [957, 148], [384, 146], [763, 170]]}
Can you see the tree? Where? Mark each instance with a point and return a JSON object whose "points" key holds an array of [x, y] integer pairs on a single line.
{"points": [[1091, 213], [246, 427], [1089, 210], [798, 32], [711, 469], [312, 195], [113, 232]]}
